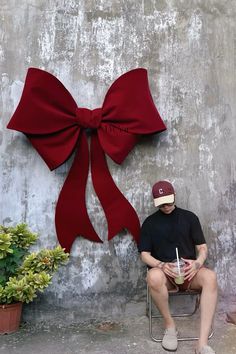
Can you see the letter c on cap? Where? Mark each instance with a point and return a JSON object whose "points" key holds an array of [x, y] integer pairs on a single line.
{"points": [[161, 191]]}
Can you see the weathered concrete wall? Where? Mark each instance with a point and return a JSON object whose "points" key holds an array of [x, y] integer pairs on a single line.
{"points": [[189, 49]]}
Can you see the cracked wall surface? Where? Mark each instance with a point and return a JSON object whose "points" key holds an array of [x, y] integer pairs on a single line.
{"points": [[189, 50]]}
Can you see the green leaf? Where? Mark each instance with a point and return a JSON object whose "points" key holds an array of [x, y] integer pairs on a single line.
{"points": [[23, 274]]}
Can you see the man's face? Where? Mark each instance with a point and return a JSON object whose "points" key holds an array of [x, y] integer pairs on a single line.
{"points": [[167, 208]]}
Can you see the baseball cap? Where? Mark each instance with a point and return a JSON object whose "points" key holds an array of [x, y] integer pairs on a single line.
{"points": [[163, 192]]}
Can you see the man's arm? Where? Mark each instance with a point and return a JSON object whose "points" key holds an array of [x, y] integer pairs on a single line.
{"points": [[152, 262], [202, 254], [193, 266]]}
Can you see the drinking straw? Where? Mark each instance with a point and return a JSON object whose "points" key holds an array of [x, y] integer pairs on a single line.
{"points": [[177, 256]]}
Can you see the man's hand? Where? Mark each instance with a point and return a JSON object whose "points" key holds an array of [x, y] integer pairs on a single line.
{"points": [[168, 269], [191, 268]]}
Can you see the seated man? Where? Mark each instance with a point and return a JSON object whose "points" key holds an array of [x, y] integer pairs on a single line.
{"points": [[162, 232]]}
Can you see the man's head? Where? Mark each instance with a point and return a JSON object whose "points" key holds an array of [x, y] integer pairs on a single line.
{"points": [[164, 196]]}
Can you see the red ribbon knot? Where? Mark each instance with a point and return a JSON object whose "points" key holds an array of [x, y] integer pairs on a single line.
{"points": [[88, 118], [50, 118]]}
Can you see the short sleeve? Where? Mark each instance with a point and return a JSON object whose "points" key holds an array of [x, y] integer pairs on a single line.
{"points": [[196, 231], [145, 243]]}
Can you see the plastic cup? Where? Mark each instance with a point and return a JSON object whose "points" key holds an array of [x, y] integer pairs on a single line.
{"points": [[179, 278]]}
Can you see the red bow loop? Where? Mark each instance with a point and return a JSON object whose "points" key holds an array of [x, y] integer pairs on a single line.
{"points": [[88, 118]]}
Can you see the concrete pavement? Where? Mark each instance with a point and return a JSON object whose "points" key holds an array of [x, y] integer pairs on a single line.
{"points": [[123, 336]]}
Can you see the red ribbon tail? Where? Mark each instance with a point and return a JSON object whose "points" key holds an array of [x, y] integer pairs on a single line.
{"points": [[71, 215], [119, 212]]}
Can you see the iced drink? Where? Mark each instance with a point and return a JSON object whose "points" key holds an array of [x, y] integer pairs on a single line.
{"points": [[179, 278]]}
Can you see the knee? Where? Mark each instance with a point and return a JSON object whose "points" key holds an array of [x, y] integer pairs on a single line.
{"points": [[155, 278], [209, 279]]}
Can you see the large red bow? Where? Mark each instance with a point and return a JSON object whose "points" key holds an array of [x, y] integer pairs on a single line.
{"points": [[56, 127]]}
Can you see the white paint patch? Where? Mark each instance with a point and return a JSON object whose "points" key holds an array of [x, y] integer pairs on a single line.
{"points": [[164, 20], [225, 235], [47, 38], [233, 171], [16, 92], [122, 247], [206, 165], [106, 40], [90, 273], [225, 253], [2, 56], [195, 28]]}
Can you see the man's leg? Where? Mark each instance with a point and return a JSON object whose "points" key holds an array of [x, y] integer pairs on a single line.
{"points": [[205, 280], [159, 285]]}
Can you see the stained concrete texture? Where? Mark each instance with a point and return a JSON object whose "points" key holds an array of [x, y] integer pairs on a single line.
{"points": [[127, 336], [189, 50]]}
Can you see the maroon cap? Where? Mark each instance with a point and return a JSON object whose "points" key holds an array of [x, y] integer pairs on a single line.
{"points": [[163, 192]]}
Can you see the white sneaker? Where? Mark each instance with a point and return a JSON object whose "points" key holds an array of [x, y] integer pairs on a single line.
{"points": [[169, 341]]}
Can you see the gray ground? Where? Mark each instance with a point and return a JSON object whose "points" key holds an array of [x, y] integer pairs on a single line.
{"points": [[127, 336]]}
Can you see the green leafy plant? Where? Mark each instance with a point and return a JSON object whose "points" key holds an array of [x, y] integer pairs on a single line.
{"points": [[23, 274]]}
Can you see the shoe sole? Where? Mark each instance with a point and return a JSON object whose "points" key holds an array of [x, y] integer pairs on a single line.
{"points": [[170, 350]]}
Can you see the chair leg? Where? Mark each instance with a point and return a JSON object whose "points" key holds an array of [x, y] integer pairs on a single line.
{"points": [[151, 316]]}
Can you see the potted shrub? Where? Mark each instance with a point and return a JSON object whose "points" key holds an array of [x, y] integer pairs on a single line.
{"points": [[22, 273]]}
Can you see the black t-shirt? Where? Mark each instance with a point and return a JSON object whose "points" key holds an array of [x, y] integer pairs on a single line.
{"points": [[162, 233]]}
